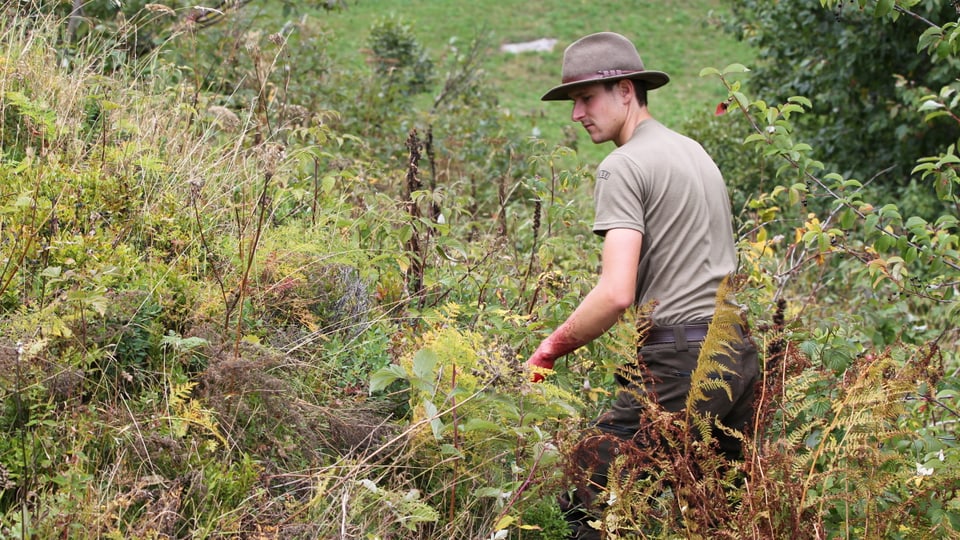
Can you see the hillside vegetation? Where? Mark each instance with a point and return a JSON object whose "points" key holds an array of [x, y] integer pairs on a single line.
{"points": [[248, 291]]}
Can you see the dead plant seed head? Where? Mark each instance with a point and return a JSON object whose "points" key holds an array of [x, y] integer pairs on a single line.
{"points": [[271, 155], [227, 119], [251, 41], [160, 8]]}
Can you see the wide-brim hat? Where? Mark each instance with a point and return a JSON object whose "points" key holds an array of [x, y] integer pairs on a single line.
{"points": [[602, 57]]}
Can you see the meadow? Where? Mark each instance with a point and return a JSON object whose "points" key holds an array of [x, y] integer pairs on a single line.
{"points": [[680, 38]]}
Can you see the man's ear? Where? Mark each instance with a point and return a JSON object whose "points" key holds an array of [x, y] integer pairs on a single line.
{"points": [[625, 89]]}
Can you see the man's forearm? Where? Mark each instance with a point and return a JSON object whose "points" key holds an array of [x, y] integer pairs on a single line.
{"points": [[605, 303], [595, 315]]}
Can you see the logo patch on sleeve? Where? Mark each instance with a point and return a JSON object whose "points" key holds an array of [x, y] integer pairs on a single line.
{"points": [[603, 174]]}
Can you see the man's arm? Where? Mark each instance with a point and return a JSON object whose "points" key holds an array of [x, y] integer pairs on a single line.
{"points": [[605, 303]]}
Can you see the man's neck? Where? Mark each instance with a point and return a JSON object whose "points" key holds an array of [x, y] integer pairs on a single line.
{"points": [[635, 116]]}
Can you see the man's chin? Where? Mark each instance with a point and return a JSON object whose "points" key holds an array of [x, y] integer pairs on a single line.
{"points": [[598, 138]]}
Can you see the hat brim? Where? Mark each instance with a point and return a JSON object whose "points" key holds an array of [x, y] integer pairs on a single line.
{"points": [[654, 79]]}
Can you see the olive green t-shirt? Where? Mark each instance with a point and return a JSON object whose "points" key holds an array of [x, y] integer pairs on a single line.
{"points": [[667, 187]]}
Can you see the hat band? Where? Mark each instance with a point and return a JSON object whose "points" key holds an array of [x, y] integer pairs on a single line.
{"points": [[602, 74]]}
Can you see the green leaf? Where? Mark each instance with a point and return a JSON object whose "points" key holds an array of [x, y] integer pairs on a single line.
{"points": [[448, 449], [915, 222], [847, 183], [328, 183], [930, 105], [935, 114], [384, 377], [949, 158], [51, 272], [847, 219], [179, 343], [929, 38], [883, 243], [910, 255], [99, 303], [883, 8], [436, 425], [925, 167], [736, 68], [488, 491], [823, 242], [478, 424], [424, 363], [108, 105]]}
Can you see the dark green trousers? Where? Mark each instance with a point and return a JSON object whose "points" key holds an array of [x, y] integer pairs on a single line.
{"points": [[663, 375]]}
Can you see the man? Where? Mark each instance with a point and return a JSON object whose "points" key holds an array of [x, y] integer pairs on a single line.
{"points": [[663, 212]]}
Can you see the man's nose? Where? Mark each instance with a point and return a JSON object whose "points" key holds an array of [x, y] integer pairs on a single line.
{"points": [[577, 113]]}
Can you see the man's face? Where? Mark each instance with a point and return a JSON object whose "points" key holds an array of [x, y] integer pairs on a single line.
{"points": [[600, 111]]}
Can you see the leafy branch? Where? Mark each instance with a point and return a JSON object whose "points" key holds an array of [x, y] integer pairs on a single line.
{"points": [[773, 131]]}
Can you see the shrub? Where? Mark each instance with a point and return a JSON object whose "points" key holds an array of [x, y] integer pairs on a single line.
{"points": [[398, 58]]}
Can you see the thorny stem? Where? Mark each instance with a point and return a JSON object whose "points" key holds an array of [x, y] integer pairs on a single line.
{"points": [[520, 490], [537, 219], [941, 404], [416, 251], [195, 195], [262, 202], [316, 191], [458, 79], [13, 265], [456, 442], [468, 273], [431, 160], [22, 432]]}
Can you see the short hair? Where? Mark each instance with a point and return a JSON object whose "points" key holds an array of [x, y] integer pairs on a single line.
{"points": [[639, 88]]}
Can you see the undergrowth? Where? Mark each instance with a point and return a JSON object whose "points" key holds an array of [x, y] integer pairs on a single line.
{"points": [[284, 311]]}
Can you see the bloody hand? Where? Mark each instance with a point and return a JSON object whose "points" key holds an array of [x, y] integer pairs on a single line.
{"points": [[539, 361]]}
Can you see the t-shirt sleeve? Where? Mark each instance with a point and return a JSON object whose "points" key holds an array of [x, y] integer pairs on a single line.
{"points": [[618, 196]]}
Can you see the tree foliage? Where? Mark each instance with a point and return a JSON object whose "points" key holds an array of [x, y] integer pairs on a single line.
{"points": [[859, 71]]}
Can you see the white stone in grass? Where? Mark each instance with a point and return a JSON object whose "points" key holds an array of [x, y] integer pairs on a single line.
{"points": [[537, 45]]}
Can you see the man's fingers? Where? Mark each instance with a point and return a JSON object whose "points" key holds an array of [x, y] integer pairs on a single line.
{"points": [[538, 372]]}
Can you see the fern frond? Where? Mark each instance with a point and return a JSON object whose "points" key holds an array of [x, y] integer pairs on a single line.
{"points": [[180, 393], [188, 411], [723, 332], [797, 437]]}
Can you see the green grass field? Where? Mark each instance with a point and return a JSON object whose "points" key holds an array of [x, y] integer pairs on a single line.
{"points": [[680, 38]]}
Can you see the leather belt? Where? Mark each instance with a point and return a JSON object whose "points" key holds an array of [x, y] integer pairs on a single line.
{"points": [[689, 333]]}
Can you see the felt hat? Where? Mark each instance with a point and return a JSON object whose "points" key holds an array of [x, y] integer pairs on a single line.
{"points": [[602, 57]]}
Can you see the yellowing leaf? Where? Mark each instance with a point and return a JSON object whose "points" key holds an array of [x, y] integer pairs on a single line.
{"points": [[504, 522]]}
